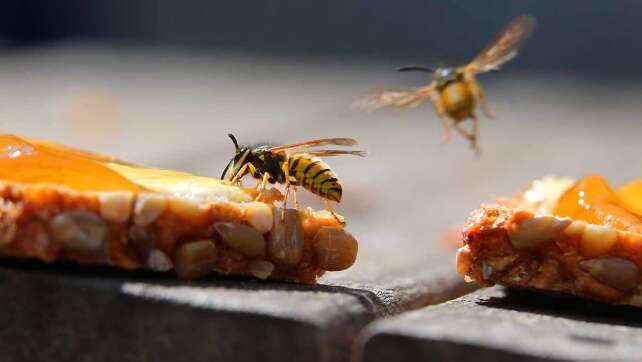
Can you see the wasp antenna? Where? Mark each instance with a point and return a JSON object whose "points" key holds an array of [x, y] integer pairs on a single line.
{"points": [[236, 144], [415, 68]]}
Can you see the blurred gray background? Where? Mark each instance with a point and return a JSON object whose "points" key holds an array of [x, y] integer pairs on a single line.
{"points": [[596, 38], [163, 82]]}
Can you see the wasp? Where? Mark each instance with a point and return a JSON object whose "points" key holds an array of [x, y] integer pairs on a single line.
{"points": [[454, 91], [291, 166]]}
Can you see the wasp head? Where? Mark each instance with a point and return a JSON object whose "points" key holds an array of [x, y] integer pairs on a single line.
{"points": [[241, 157], [445, 75]]}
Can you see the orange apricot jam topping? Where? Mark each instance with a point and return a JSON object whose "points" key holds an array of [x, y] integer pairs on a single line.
{"points": [[592, 199], [44, 162]]}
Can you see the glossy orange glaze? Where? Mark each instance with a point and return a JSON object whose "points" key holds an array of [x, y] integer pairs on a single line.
{"points": [[44, 162], [592, 199]]}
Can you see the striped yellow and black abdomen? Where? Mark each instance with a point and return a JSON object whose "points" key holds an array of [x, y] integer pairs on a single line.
{"points": [[315, 176]]}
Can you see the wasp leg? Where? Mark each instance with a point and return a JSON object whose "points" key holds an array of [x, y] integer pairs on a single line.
{"points": [[285, 203], [476, 133], [441, 113], [296, 197], [334, 214], [470, 135], [447, 132], [478, 92], [266, 177], [286, 171], [237, 177]]}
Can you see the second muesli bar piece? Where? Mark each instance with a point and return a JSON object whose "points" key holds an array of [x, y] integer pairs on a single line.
{"points": [[576, 238]]}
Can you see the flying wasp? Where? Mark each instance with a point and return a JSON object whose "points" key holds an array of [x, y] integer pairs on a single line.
{"points": [[291, 166], [454, 91]]}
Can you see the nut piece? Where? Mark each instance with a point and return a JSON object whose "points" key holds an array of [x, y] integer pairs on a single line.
{"points": [[597, 240], [196, 259], [187, 208], [575, 229], [261, 268], [537, 230], [148, 208], [285, 245], [259, 216], [615, 272], [464, 260], [336, 248], [80, 232], [241, 238], [115, 206], [158, 261]]}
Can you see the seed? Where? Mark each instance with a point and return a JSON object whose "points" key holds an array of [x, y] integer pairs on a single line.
{"points": [[537, 230], [285, 245], [336, 248], [141, 240], [115, 206], [242, 238], [261, 268], [196, 259], [148, 208], [597, 240], [80, 232], [615, 272], [259, 216], [158, 261]]}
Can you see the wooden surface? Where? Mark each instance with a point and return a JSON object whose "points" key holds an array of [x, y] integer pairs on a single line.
{"points": [[174, 110], [508, 325]]}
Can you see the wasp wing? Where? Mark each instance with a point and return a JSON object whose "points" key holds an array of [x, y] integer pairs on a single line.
{"points": [[504, 47], [315, 143], [393, 98], [328, 153]]}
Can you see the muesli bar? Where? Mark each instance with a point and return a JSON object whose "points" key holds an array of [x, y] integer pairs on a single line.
{"points": [[61, 203], [162, 233], [519, 243]]}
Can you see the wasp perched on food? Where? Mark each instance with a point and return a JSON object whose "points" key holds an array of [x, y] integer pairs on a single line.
{"points": [[291, 166], [454, 91]]}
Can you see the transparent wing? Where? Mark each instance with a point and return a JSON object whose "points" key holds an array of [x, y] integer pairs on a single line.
{"points": [[393, 98], [328, 153], [504, 47], [315, 143]]}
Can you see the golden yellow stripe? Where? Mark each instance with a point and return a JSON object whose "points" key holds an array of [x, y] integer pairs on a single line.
{"points": [[316, 176]]}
